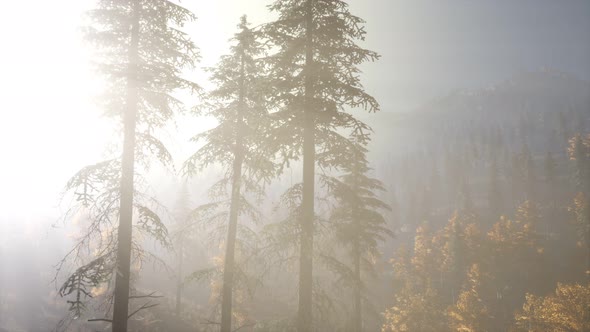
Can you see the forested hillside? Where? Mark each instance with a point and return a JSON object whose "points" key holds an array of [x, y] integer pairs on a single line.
{"points": [[489, 193]]}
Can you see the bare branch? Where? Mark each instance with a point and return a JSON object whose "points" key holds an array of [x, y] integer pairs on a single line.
{"points": [[210, 322], [100, 320], [145, 306], [245, 325], [150, 295]]}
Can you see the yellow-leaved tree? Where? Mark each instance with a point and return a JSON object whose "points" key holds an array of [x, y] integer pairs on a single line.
{"points": [[566, 310]]}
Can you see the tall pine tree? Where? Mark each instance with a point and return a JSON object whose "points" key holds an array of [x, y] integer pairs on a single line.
{"points": [[236, 143], [141, 52], [315, 76]]}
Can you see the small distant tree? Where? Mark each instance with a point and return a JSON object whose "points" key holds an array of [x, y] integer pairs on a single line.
{"points": [[454, 252], [418, 305], [236, 144], [141, 52], [416, 311], [581, 211], [563, 127], [470, 313], [523, 175], [551, 185], [526, 171], [550, 166], [516, 259], [579, 153], [495, 190]]}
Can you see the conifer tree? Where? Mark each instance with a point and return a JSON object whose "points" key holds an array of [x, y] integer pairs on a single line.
{"points": [[359, 223], [315, 75], [236, 143], [581, 209], [563, 127], [552, 189], [579, 152], [416, 311], [180, 238], [495, 190], [464, 194], [141, 52], [515, 259], [455, 251], [527, 172], [550, 170], [418, 305], [470, 313]]}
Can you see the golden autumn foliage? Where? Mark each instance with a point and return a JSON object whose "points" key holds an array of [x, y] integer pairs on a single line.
{"points": [[464, 278], [579, 146], [568, 309], [415, 311], [470, 313]]}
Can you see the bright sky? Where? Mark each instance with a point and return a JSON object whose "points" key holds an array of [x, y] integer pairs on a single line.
{"points": [[49, 127]]}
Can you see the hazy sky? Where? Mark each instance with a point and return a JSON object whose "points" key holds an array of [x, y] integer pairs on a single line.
{"points": [[49, 127], [431, 47]]}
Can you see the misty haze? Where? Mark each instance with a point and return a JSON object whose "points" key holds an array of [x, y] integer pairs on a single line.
{"points": [[295, 166]]}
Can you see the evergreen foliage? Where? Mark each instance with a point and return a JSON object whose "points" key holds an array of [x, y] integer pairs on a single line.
{"points": [[141, 51], [314, 75], [236, 145], [359, 225]]}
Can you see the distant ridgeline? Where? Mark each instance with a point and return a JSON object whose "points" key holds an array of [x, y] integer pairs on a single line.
{"points": [[441, 157]]}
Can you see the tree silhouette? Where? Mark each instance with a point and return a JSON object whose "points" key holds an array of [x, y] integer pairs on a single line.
{"points": [[237, 142], [581, 210], [495, 202], [180, 239], [417, 303], [579, 152], [359, 224], [471, 313], [314, 74], [141, 53]]}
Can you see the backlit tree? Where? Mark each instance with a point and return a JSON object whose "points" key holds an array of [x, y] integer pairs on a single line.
{"points": [[315, 75], [141, 52]]}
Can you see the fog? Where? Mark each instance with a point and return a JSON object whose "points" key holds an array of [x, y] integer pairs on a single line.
{"points": [[464, 207]]}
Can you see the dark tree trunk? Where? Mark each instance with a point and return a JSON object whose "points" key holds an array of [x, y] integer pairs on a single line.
{"points": [[306, 250], [229, 262], [587, 240], [356, 254], [358, 316], [121, 306], [179, 282]]}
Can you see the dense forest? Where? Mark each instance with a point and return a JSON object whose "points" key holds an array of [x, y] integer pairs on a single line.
{"points": [[305, 206]]}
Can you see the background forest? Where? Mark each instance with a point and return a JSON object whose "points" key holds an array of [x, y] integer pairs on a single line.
{"points": [[274, 188]]}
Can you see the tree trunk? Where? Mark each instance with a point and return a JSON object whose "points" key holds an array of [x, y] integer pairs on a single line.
{"points": [[358, 316], [121, 306], [229, 262], [587, 240], [179, 282], [356, 252], [306, 250]]}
